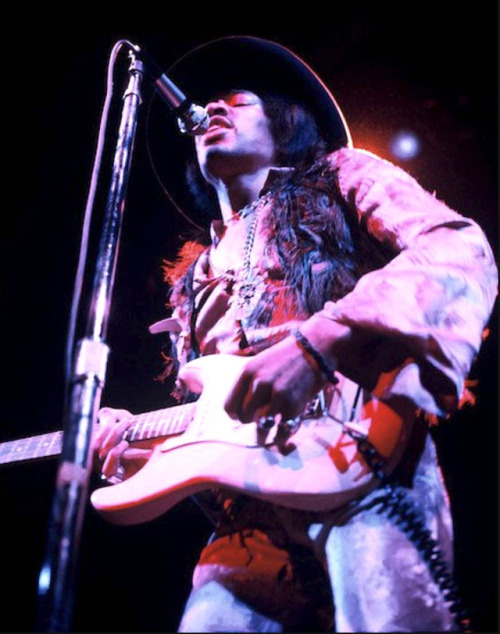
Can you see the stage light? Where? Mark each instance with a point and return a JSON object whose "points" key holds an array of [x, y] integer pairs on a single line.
{"points": [[405, 145]]}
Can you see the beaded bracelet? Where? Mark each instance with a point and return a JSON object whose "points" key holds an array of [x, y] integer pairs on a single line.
{"points": [[322, 364]]}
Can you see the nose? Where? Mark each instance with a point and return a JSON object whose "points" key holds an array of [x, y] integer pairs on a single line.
{"points": [[219, 107]]}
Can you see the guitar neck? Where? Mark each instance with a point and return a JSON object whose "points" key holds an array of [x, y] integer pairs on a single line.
{"points": [[162, 422], [165, 422], [41, 446]]}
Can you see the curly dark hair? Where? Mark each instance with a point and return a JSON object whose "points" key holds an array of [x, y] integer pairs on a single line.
{"points": [[296, 136]]}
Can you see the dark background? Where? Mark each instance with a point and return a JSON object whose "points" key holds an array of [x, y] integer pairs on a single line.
{"points": [[391, 68]]}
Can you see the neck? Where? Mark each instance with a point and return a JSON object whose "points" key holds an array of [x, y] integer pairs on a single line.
{"points": [[239, 191]]}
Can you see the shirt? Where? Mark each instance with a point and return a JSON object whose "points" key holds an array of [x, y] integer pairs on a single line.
{"points": [[418, 320]]}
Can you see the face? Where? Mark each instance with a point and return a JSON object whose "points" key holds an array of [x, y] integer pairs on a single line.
{"points": [[238, 139]]}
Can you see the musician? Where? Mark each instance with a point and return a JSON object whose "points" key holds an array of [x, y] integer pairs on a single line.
{"points": [[350, 290]]}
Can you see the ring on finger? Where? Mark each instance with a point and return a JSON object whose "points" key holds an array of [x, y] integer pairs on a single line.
{"points": [[265, 422]]}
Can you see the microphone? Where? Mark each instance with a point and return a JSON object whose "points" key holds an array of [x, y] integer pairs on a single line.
{"points": [[191, 119]]}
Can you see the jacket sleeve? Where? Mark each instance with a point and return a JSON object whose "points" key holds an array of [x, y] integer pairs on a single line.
{"points": [[418, 321]]}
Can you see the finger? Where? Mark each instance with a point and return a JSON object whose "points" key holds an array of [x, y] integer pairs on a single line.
{"points": [[257, 402], [236, 395], [109, 415], [107, 431], [112, 461], [113, 436], [97, 437], [100, 436], [291, 397], [137, 454], [276, 400]]}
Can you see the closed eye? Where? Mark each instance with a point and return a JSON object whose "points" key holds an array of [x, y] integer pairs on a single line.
{"points": [[239, 99]]}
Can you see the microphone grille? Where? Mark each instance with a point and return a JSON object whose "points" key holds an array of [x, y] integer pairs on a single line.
{"points": [[194, 121]]}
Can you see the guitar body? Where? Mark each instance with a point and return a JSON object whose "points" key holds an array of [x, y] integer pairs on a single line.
{"points": [[315, 468]]}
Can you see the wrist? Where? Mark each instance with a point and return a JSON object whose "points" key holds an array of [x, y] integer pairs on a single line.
{"points": [[327, 369], [328, 337]]}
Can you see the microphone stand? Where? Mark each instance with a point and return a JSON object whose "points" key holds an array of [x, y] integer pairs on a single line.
{"points": [[57, 576]]}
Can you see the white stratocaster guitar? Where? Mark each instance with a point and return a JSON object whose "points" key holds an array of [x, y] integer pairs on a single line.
{"points": [[315, 467]]}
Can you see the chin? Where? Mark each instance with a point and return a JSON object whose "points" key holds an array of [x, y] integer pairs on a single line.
{"points": [[216, 153]]}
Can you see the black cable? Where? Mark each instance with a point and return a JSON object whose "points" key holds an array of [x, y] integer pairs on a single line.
{"points": [[402, 512]]}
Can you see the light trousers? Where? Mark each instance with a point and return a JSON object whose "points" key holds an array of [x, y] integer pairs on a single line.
{"points": [[271, 569]]}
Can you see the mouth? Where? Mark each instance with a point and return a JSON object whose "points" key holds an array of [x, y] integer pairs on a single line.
{"points": [[218, 122]]}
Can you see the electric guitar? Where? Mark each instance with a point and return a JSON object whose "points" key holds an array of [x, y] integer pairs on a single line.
{"points": [[314, 466]]}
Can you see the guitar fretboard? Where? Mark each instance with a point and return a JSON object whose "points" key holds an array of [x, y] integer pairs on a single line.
{"points": [[163, 422], [156, 424], [41, 446]]}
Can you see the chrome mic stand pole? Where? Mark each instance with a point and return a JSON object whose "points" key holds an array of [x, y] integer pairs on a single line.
{"points": [[57, 576]]}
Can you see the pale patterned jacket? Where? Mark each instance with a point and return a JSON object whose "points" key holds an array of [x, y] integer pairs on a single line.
{"points": [[432, 300]]}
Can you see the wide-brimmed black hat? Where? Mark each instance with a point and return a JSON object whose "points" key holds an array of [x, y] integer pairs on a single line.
{"points": [[237, 62]]}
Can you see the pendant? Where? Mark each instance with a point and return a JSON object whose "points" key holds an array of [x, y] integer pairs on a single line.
{"points": [[249, 291]]}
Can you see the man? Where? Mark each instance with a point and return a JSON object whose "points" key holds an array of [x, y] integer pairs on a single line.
{"points": [[356, 297]]}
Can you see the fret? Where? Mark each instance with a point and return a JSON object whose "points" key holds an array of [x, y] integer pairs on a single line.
{"points": [[184, 418], [174, 426], [152, 425], [180, 421], [182, 413], [139, 430], [158, 423], [9, 449], [36, 448], [54, 445], [40, 446], [155, 424], [135, 431]]}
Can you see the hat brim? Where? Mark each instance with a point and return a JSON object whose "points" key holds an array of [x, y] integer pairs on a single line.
{"points": [[240, 62]]}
